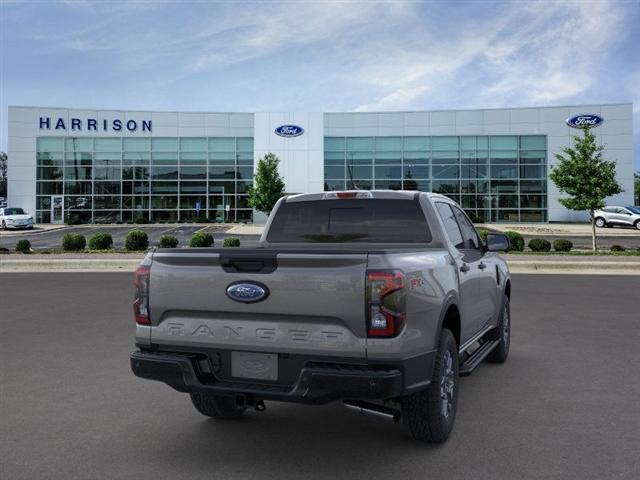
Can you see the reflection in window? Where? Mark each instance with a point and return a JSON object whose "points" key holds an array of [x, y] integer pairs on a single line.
{"points": [[491, 171]]}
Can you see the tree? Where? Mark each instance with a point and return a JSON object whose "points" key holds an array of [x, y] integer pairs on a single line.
{"points": [[636, 188], [268, 185], [585, 177], [3, 174]]}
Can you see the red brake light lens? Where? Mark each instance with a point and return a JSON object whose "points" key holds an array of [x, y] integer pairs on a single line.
{"points": [[385, 303], [141, 299]]}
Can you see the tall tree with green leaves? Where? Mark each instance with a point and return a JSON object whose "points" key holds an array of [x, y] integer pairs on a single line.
{"points": [[3, 174], [585, 177], [268, 185]]}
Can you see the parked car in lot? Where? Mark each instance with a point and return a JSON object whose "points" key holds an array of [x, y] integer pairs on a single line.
{"points": [[618, 216], [378, 299], [15, 218]]}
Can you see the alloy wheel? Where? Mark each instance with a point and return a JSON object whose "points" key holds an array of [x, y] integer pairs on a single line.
{"points": [[447, 385]]}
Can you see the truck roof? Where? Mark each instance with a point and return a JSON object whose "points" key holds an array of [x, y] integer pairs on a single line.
{"points": [[387, 194]]}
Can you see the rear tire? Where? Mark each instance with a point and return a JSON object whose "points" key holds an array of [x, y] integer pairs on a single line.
{"points": [[503, 333], [600, 222], [431, 413], [216, 406], [637, 224]]}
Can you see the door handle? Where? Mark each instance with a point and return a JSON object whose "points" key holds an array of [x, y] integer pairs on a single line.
{"points": [[482, 266], [465, 268]]}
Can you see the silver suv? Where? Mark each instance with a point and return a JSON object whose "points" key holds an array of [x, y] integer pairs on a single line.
{"points": [[623, 216]]}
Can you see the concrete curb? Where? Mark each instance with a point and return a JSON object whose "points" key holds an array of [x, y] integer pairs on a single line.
{"points": [[575, 267], [26, 264]]}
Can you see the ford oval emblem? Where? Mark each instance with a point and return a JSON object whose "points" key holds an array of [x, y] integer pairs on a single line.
{"points": [[587, 120], [247, 292], [289, 131]]}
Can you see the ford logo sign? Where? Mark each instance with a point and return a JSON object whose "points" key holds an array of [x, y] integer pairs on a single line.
{"points": [[289, 131], [247, 292], [587, 120]]}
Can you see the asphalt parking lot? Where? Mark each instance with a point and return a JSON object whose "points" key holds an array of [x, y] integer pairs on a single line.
{"points": [[565, 405], [53, 238]]}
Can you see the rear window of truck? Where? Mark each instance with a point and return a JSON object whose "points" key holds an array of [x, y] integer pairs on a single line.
{"points": [[350, 221]]}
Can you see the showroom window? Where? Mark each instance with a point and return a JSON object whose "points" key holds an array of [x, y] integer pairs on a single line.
{"points": [[157, 179], [494, 178]]}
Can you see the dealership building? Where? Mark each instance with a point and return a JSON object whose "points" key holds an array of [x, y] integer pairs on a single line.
{"points": [[107, 166]]}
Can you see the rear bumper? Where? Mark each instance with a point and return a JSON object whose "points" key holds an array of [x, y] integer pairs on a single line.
{"points": [[317, 383]]}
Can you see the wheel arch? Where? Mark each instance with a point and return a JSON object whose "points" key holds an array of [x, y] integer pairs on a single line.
{"points": [[450, 318]]}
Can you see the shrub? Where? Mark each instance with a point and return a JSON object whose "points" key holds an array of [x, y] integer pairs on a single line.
{"points": [[516, 240], [141, 220], [483, 232], [101, 241], [231, 242], [136, 240], [167, 241], [562, 245], [23, 246], [539, 245], [617, 248], [73, 242], [74, 220], [201, 239]]}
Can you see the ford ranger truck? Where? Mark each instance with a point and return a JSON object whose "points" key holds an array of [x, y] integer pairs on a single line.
{"points": [[378, 299]]}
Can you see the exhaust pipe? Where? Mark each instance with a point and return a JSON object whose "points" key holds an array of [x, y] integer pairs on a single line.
{"points": [[371, 410]]}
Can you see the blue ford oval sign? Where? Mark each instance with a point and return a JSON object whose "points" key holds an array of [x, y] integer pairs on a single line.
{"points": [[247, 292], [289, 131], [587, 120]]}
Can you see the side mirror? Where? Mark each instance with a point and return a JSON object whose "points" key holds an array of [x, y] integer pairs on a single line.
{"points": [[497, 242]]}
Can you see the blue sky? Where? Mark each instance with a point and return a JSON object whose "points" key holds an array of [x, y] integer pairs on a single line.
{"points": [[318, 56]]}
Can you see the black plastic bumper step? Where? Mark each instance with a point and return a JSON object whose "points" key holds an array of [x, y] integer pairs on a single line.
{"points": [[477, 357]]}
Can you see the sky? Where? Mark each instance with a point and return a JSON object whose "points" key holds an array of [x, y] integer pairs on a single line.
{"points": [[318, 55]]}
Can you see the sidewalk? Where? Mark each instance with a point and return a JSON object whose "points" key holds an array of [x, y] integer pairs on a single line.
{"points": [[560, 229], [117, 262]]}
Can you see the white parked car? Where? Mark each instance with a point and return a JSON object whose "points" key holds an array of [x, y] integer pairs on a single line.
{"points": [[622, 216], [15, 218]]}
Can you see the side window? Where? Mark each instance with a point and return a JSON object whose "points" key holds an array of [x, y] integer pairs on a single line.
{"points": [[450, 224], [469, 234]]}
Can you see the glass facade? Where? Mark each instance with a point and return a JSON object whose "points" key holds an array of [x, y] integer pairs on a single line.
{"points": [[500, 178], [108, 180]]}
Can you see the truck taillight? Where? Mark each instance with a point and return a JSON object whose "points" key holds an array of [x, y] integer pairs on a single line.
{"points": [[141, 299], [385, 305]]}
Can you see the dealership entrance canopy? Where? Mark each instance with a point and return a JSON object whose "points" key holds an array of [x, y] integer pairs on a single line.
{"points": [[119, 166]]}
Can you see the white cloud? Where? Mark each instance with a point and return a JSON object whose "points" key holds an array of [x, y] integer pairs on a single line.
{"points": [[527, 54]]}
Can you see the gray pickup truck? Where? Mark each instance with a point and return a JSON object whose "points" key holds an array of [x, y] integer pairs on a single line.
{"points": [[379, 299]]}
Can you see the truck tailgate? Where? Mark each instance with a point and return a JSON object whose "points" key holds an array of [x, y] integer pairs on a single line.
{"points": [[315, 301]]}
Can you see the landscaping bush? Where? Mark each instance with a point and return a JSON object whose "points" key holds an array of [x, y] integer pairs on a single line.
{"points": [[562, 245], [483, 232], [167, 241], [201, 239], [101, 241], [73, 242], [231, 242], [23, 246], [539, 245], [136, 240], [617, 248], [141, 220], [516, 240]]}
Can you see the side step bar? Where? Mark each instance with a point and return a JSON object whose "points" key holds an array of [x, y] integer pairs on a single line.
{"points": [[477, 357]]}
